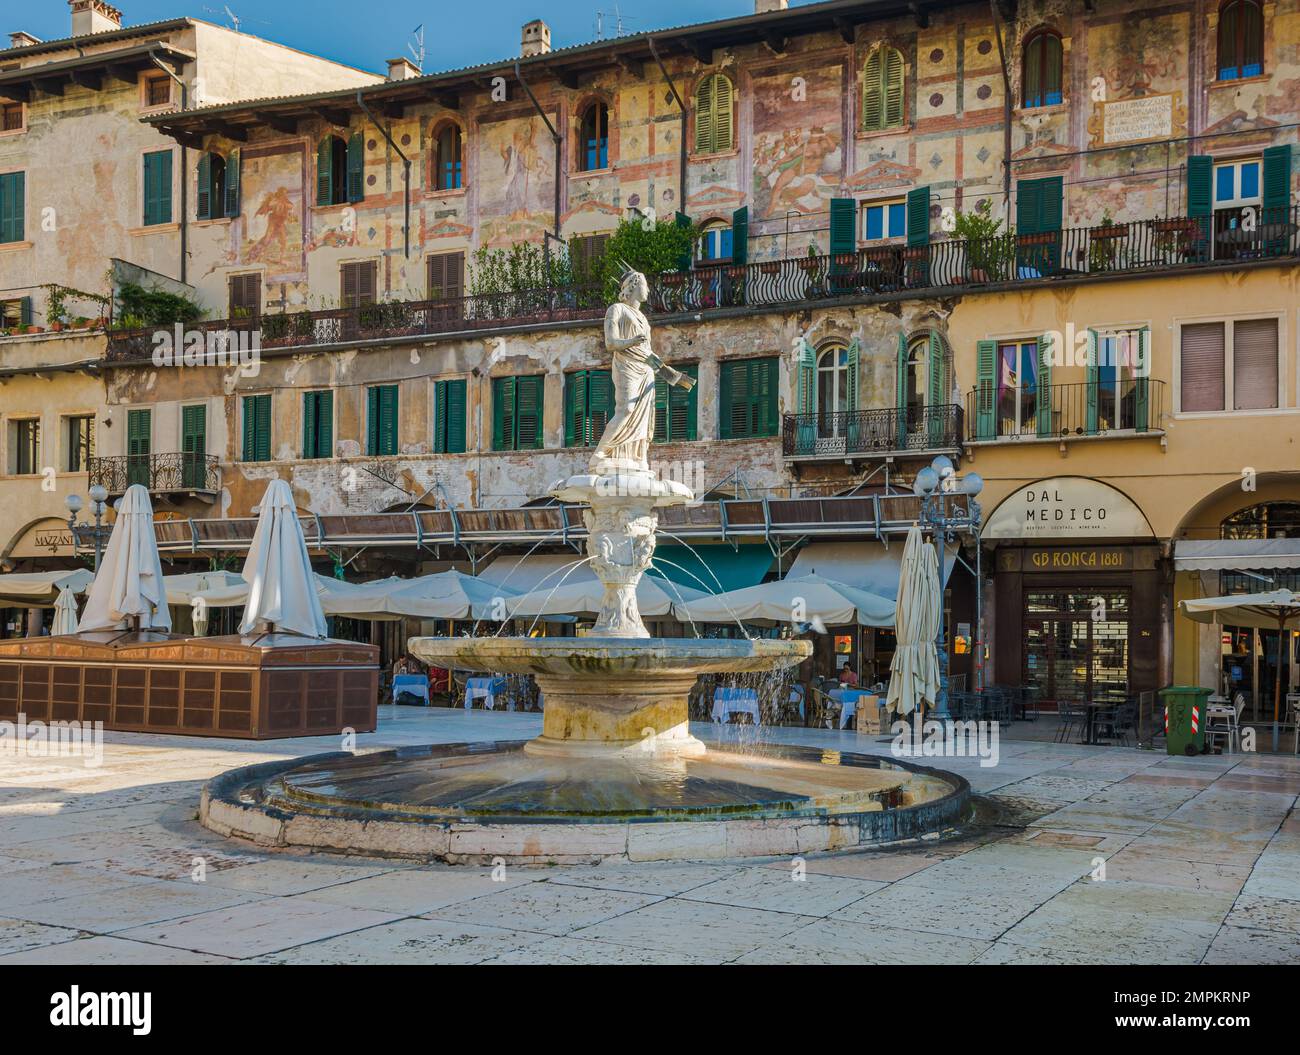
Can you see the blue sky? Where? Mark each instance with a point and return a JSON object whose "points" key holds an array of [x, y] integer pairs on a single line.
{"points": [[456, 32]]}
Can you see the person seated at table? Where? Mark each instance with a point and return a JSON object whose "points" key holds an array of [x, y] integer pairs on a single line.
{"points": [[402, 665], [848, 678]]}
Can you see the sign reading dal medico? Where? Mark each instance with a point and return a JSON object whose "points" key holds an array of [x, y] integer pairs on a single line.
{"points": [[1070, 507]]}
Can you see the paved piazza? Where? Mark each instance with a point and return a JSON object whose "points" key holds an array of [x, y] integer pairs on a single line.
{"points": [[1201, 862]]}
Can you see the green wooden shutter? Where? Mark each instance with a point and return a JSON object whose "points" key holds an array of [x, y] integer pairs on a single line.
{"points": [[503, 414], [740, 235], [1029, 207], [309, 424], [705, 116], [1039, 205], [851, 373], [25, 311], [203, 201], [528, 413], [325, 171], [257, 428], [901, 393], [600, 403], [372, 420], [1092, 381], [1200, 178], [723, 130], [13, 206], [138, 446], [893, 88], [194, 445], [1044, 408], [986, 389], [440, 417], [936, 395], [844, 235], [318, 424], [158, 187], [456, 390], [732, 392], [661, 410], [233, 163], [381, 424], [683, 408], [918, 216], [575, 409], [873, 92], [1142, 382], [1276, 198], [684, 261], [806, 379], [356, 168]]}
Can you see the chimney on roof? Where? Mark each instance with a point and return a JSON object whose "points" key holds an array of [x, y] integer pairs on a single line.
{"points": [[401, 69], [93, 16], [536, 39], [763, 7], [22, 40]]}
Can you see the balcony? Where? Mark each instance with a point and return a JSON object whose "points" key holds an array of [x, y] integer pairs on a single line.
{"points": [[863, 435], [882, 272], [163, 474], [1081, 410]]}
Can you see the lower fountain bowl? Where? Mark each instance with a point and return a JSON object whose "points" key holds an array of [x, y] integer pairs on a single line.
{"points": [[480, 803]]}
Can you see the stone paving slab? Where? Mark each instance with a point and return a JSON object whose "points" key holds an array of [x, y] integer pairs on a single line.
{"points": [[1201, 856]]}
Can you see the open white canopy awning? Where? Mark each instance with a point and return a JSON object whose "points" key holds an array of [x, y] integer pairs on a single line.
{"points": [[655, 598], [1236, 554], [808, 599], [870, 566], [537, 571], [40, 589]]}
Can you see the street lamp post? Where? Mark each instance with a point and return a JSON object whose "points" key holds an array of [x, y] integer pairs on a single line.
{"points": [[98, 498], [933, 485]]}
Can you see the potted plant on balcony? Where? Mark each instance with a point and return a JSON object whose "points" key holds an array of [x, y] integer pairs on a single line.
{"points": [[988, 250], [56, 307], [1103, 243], [814, 266], [770, 267]]}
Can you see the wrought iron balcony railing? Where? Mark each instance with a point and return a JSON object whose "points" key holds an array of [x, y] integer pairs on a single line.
{"points": [[160, 473], [894, 271], [1097, 408], [872, 433]]}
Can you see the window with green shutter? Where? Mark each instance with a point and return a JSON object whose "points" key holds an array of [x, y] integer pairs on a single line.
{"points": [[381, 420], [882, 90], [517, 412], [318, 424], [714, 124], [257, 428], [335, 163], [675, 409], [449, 416], [588, 406], [747, 398], [1039, 207], [12, 206], [139, 428], [157, 187]]}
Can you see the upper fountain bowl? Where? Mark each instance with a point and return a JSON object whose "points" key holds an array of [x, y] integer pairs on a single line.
{"points": [[613, 656]]}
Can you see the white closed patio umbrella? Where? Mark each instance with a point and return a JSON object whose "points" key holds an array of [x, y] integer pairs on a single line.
{"points": [[1273, 610], [128, 589], [281, 585], [914, 672], [65, 613]]}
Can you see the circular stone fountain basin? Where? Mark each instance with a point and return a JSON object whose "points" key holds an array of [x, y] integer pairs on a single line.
{"points": [[481, 802]]}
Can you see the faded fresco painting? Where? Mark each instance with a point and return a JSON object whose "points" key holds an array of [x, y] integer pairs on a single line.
{"points": [[516, 195], [271, 189], [798, 141]]}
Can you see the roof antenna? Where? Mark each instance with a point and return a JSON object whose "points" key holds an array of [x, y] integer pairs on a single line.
{"points": [[417, 47], [234, 18]]}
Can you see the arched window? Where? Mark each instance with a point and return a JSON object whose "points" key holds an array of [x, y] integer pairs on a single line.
{"points": [[836, 391], [714, 126], [447, 165], [211, 202], [1266, 520], [1042, 74], [1241, 40], [340, 170], [882, 90], [593, 138], [918, 376]]}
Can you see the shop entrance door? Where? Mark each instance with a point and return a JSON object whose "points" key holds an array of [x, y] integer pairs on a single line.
{"points": [[1076, 644]]}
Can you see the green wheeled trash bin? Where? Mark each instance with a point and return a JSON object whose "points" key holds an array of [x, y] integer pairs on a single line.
{"points": [[1185, 719]]}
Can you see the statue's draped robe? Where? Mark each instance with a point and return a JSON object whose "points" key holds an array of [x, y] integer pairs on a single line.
{"points": [[625, 443]]}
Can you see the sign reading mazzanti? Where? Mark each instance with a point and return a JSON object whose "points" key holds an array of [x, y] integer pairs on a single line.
{"points": [[1066, 507]]}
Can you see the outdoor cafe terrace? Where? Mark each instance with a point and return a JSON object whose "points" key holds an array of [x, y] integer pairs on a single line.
{"points": [[879, 273]]}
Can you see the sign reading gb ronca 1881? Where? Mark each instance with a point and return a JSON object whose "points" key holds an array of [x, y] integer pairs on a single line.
{"points": [[1066, 507]]}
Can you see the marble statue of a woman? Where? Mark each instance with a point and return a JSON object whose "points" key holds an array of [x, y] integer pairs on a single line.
{"points": [[625, 444]]}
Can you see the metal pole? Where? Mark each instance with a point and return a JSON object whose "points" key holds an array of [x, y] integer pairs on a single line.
{"points": [[99, 535], [941, 704]]}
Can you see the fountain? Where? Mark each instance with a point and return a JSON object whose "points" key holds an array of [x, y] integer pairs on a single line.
{"points": [[616, 772]]}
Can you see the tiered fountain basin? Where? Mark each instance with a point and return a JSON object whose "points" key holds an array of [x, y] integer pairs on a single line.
{"points": [[615, 774]]}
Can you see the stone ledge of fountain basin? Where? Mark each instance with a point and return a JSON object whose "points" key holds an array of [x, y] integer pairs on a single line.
{"points": [[229, 807], [622, 655]]}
